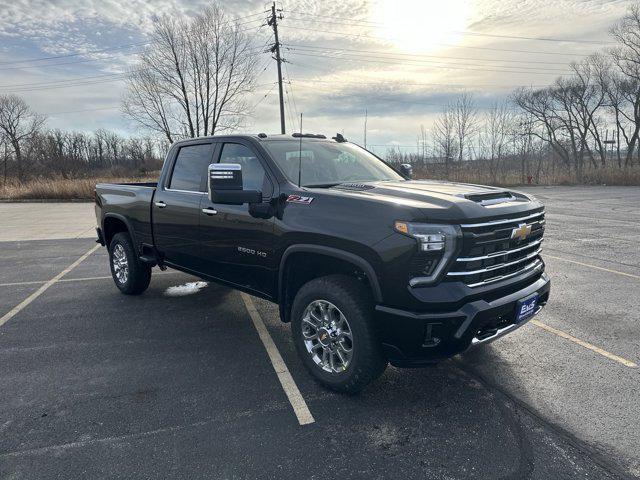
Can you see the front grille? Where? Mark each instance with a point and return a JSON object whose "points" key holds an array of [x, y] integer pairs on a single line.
{"points": [[491, 251]]}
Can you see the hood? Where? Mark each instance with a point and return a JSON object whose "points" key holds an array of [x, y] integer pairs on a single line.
{"points": [[444, 200]]}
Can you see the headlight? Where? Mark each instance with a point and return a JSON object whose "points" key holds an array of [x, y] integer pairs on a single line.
{"points": [[439, 241]]}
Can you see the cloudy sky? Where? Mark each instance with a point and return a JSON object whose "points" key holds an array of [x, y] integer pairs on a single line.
{"points": [[401, 60]]}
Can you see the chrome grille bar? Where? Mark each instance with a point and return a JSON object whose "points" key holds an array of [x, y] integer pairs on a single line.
{"points": [[500, 254], [496, 267], [502, 221], [533, 266]]}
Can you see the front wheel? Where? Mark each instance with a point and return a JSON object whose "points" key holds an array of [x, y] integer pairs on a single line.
{"points": [[130, 275], [334, 334]]}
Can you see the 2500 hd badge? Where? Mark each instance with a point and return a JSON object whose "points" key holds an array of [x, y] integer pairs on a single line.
{"points": [[252, 251]]}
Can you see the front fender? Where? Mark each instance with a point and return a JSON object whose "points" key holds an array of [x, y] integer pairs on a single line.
{"points": [[336, 253]]}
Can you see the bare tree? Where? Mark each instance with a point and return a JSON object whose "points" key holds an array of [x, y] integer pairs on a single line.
{"points": [[18, 123], [194, 78], [494, 137], [465, 118], [444, 137], [626, 56], [565, 114]]}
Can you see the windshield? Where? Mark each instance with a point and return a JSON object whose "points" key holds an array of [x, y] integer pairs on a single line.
{"points": [[327, 163]]}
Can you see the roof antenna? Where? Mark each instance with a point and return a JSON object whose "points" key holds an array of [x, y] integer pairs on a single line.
{"points": [[300, 153]]}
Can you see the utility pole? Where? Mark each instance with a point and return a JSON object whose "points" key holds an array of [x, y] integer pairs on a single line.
{"points": [[6, 156], [365, 128], [273, 23]]}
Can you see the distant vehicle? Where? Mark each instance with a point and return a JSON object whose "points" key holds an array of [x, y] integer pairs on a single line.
{"points": [[369, 266]]}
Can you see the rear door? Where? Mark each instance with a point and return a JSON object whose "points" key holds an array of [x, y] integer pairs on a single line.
{"points": [[237, 244], [176, 207]]}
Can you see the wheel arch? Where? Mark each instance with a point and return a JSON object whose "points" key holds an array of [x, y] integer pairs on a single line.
{"points": [[316, 253], [115, 223]]}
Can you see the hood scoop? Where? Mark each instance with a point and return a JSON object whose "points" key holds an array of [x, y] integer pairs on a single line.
{"points": [[355, 186], [494, 198]]}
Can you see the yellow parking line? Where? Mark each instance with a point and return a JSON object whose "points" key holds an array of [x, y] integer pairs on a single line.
{"points": [[81, 279], [8, 316], [289, 386], [17, 284], [593, 266], [582, 343]]}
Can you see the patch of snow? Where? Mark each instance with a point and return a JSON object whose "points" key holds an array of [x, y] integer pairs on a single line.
{"points": [[186, 289]]}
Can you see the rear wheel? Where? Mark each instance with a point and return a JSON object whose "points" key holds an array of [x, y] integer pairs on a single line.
{"points": [[334, 335], [130, 275]]}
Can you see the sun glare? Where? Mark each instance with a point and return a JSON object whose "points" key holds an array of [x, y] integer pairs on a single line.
{"points": [[421, 26]]}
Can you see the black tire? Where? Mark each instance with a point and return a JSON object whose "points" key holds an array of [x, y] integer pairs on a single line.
{"points": [[138, 274], [353, 300]]}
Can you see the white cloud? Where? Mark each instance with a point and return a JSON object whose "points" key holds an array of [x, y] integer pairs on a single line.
{"points": [[332, 88]]}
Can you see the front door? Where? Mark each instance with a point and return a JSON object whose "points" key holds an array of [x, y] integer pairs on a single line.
{"points": [[177, 206], [237, 244]]}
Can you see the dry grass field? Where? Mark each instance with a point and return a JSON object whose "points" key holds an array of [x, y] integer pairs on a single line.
{"points": [[82, 188], [548, 176], [60, 188]]}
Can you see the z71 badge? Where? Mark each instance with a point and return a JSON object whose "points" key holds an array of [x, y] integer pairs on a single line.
{"points": [[299, 199]]}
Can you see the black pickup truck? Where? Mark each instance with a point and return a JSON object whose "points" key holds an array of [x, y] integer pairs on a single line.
{"points": [[369, 266]]}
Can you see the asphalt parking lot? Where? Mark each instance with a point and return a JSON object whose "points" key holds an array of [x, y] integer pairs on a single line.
{"points": [[177, 383]]}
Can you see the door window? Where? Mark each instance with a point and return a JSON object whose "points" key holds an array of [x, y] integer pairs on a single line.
{"points": [[190, 168], [253, 174]]}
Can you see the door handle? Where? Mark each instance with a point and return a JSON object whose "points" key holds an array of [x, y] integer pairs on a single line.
{"points": [[209, 211], [161, 204]]}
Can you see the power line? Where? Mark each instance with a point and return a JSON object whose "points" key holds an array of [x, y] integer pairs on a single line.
{"points": [[66, 85], [35, 84], [286, 69], [341, 49], [359, 35], [82, 111], [53, 84], [412, 101], [402, 83], [88, 60], [77, 54], [393, 83], [337, 54], [356, 22], [59, 64], [455, 66], [118, 47], [264, 96]]}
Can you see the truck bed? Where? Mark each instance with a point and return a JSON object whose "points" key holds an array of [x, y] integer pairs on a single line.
{"points": [[130, 202]]}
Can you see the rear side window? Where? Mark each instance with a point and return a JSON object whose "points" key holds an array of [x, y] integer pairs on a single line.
{"points": [[190, 168]]}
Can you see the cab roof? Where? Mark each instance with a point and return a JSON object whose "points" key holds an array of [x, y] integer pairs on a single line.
{"points": [[261, 137]]}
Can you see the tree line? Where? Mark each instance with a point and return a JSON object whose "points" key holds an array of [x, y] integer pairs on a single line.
{"points": [[28, 149], [583, 122], [192, 80], [195, 77]]}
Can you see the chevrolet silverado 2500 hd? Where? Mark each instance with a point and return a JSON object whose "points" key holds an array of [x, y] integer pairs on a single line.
{"points": [[369, 266]]}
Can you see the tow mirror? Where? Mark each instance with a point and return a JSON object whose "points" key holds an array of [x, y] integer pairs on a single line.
{"points": [[225, 185], [407, 170]]}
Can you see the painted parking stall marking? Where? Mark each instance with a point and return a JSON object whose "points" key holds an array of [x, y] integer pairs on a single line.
{"points": [[15, 310], [587, 345], [289, 386], [631, 275]]}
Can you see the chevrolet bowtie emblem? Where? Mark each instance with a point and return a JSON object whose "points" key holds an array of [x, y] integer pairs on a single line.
{"points": [[521, 232]]}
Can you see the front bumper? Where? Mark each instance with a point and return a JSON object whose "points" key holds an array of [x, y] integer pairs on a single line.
{"points": [[416, 339]]}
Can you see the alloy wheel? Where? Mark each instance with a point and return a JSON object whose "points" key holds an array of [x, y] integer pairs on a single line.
{"points": [[120, 264], [327, 336]]}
